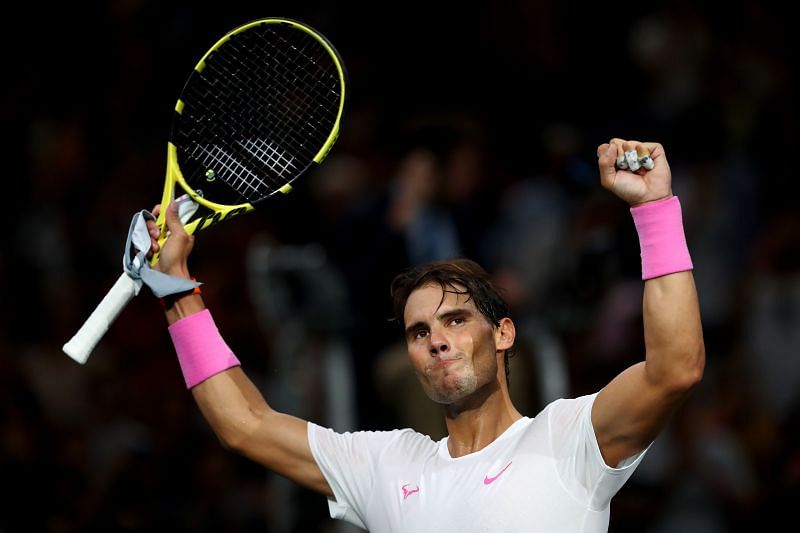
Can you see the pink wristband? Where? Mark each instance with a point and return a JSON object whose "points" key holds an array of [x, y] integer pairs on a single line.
{"points": [[661, 238], [202, 352]]}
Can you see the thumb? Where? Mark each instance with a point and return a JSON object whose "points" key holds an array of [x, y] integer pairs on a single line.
{"points": [[606, 161], [174, 224]]}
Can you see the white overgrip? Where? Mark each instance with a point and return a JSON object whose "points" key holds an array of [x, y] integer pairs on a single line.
{"points": [[83, 342]]}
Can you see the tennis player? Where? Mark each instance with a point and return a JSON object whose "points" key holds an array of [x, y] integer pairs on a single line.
{"points": [[497, 470]]}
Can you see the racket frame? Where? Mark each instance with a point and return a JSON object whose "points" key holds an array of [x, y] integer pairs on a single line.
{"points": [[92, 331]]}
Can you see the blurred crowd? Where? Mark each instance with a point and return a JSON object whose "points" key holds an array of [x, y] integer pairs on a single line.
{"points": [[469, 132]]}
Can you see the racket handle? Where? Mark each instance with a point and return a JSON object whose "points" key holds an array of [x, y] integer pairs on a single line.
{"points": [[83, 342]]}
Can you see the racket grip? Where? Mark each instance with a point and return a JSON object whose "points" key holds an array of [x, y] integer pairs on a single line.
{"points": [[83, 342]]}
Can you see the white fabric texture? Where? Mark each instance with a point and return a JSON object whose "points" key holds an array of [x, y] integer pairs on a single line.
{"points": [[542, 474]]}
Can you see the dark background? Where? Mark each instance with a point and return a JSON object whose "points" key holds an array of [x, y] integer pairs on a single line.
{"points": [[505, 102]]}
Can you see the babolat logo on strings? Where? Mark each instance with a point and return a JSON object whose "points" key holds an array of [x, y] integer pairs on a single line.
{"points": [[213, 218]]}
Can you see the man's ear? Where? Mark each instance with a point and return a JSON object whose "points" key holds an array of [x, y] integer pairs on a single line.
{"points": [[505, 334]]}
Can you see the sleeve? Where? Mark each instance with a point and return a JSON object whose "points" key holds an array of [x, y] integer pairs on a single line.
{"points": [[348, 462], [578, 459]]}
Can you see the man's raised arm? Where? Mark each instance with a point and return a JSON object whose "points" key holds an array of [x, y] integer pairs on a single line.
{"points": [[631, 410], [235, 409]]}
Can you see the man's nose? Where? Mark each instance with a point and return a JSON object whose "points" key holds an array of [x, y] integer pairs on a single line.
{"points": [[439, 343]]}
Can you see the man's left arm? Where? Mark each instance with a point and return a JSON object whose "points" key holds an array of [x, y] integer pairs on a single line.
{"points": [[630, 411]]}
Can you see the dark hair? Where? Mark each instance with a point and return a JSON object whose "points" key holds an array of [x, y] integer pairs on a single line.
{"points": [[457, 276]]}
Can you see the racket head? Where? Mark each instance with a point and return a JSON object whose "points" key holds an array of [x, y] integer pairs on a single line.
{"points": [[261, 108]]}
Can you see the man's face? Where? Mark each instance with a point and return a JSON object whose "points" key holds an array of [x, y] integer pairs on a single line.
{"points": [[452, 346]]}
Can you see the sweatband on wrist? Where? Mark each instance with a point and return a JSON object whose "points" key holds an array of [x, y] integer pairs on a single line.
{"points": [[661, 238], [202, 352]]}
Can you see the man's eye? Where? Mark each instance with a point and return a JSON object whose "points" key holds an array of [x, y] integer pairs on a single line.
{"points": [[421, 334], [457, 321]]}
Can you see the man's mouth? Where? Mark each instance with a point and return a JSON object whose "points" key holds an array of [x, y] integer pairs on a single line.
{"points": [[445, 362]]}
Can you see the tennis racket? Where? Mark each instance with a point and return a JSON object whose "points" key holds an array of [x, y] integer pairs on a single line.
{"points": [[262, 108]]}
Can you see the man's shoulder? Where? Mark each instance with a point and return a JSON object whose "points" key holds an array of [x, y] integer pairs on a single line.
{"points": [[562, 405], [400, 446], [565, 415], [410, 439], [405, 438]]}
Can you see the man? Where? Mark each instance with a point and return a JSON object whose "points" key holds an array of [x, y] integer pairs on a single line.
{"points": [[497, 470]]}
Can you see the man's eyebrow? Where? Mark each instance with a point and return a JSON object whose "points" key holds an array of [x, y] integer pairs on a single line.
{"points": [[441, 317], [453, 313], [416, 326]]}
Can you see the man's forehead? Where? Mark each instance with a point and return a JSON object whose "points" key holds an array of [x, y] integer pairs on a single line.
{"points": [[431, 298]]}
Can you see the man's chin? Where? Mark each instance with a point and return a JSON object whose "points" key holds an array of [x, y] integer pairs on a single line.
{"points": [[453, 390]]}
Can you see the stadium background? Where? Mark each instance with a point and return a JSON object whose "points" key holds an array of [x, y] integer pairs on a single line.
{"points": [[471, 129]]}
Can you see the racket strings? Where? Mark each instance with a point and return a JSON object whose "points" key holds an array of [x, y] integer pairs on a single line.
{"points": [[260, 111], [311, 93]]}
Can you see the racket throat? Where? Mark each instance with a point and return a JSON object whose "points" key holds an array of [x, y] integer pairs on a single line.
{"points": [[215, 217]]}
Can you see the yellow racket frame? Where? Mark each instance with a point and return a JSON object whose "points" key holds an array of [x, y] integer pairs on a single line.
{"points": [[222, 211]]}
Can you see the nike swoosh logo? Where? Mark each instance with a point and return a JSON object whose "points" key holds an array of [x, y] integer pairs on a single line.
{"points": [[489, 480]]}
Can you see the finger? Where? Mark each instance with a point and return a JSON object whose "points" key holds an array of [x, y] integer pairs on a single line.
{"points": [[633, 155], [655, 149], [607, 154], [621, 162], [153, 230], [650, 154], [174, 224], [643, 154], [631, 158], [607, 164]]}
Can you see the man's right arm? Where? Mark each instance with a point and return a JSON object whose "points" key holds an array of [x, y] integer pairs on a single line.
{"points": [[245, 423], [232, 405]]}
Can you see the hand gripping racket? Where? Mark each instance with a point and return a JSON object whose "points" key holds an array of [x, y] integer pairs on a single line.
{"points": [[261, 108]]}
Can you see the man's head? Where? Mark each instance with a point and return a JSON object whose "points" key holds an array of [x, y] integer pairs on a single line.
{"points": [[457, 326]]}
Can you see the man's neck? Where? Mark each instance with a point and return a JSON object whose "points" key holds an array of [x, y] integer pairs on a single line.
{"points": [[479, 420]]}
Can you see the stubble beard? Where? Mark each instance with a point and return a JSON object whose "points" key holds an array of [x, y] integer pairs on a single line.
{"points": [[454, 388]]}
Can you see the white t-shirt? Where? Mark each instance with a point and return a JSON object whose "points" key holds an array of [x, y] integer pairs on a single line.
{"points": [[543, 474]]}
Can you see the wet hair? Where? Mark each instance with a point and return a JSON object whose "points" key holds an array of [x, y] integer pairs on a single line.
{"points": [[456, 276]]}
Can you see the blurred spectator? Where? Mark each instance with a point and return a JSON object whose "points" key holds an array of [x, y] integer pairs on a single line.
{"points": [[472, 139]]}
